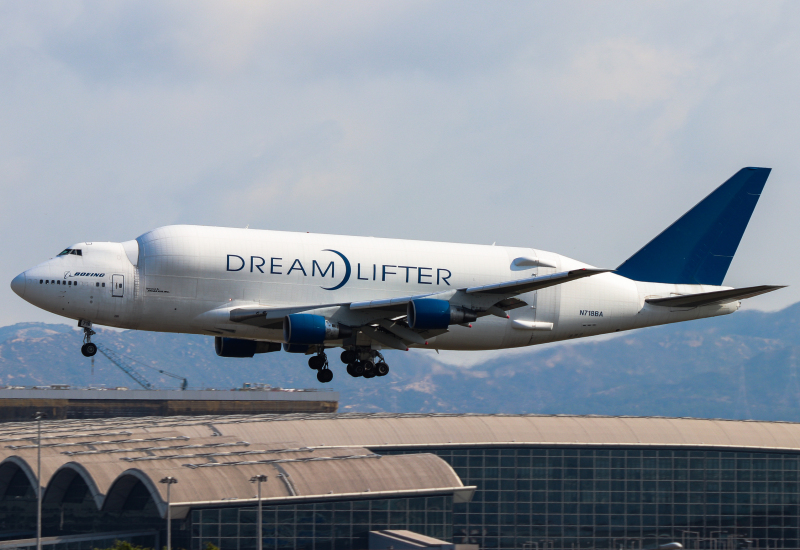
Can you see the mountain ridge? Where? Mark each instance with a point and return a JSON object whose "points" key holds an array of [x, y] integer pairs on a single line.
{"points": [[738, 366]]}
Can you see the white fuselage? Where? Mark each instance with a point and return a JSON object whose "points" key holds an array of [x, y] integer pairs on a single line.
{"points": [[188, 278]]}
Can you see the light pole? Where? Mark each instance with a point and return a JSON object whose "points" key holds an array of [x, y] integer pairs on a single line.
{"points": [[258, 479], [38, 417], [169, 480]]}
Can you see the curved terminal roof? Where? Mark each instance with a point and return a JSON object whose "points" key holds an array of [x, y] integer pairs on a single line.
{"points": [[323, 455], [377, 431]]}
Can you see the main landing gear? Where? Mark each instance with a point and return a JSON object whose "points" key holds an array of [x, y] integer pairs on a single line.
{"points": [[87, 349], [319, 363], [362, 363]]}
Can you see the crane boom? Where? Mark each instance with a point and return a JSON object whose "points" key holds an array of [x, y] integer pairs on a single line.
{"points": [[120, 362], [117, 360]]}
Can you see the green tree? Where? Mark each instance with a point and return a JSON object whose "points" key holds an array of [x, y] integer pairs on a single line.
{"points": [[124, 545]]}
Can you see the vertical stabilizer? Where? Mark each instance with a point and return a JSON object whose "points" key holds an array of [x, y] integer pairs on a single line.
{"points": [[699, 247]]}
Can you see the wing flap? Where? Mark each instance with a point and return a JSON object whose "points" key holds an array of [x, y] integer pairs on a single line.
{"points": [[401, 331], [391, 304], [384, 338], [266, 317], [510, 303], [715, 297]]}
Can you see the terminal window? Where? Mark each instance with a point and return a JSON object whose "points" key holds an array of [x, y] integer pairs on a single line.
{"points": [[322, 525], [600, 498]]}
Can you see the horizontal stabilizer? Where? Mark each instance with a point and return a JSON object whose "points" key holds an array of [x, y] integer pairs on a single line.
{"points": [[716, 297]]}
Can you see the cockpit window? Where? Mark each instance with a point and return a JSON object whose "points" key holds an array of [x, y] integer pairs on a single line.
{"points": [[73, 251]]}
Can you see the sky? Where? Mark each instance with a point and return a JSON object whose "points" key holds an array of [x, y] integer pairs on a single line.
{"points": [[583, 128]]}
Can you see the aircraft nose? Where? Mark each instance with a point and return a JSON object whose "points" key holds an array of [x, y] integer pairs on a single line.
{"points": [[18, 285]]}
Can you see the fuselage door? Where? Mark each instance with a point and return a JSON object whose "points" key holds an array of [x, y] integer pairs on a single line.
{"points": [[117, 285]]}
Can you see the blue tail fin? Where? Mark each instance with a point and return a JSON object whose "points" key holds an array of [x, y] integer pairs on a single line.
{"points": [[699, 247]]}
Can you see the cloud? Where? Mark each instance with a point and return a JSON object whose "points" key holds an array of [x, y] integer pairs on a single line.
{"points": [[625, 69], [580, 128]]}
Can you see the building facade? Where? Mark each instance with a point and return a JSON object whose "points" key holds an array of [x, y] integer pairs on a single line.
{"points": [[601, 498], [337, 525], [496, 481], [61, 402]]}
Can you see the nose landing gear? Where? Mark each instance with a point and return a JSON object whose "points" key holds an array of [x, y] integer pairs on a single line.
{"points": [[88, 349]]}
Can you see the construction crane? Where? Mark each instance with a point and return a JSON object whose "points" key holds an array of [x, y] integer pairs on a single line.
{"points": [[130, 370]]}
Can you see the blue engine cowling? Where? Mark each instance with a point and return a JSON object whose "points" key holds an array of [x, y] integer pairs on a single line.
{"points": [[305, 328], [436, 314], [238, 347]]}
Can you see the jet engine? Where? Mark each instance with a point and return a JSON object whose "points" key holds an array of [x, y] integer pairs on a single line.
{"points": [[295, 348], [238, 347], [304, 328], [436, 314]]}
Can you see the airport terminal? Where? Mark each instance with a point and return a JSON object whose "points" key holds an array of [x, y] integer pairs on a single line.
{"points": [[342, 481]]}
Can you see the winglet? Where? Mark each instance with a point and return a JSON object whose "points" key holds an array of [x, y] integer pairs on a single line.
{"points": [[699, 247]]}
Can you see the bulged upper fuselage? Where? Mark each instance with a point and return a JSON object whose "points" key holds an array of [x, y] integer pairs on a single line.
{"points": [[189, 278]]}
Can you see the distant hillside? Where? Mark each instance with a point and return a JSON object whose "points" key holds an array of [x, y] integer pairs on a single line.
{"points": [[740, 366]]}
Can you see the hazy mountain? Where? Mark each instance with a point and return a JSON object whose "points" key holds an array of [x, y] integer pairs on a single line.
{"points": [[740, 366]]}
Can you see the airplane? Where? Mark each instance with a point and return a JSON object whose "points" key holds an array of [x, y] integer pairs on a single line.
{"points": [[258, 291]]}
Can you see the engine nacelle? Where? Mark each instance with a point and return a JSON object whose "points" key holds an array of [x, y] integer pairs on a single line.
{"points": [[436, 314], [305, 328], [295, 348], [238, 347]]}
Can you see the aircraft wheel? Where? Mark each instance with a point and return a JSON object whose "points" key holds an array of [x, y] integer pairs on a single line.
{"points": [[316, 362], [349, 356], [369, 369], [382, 369], [324, 375], [88, 349], [357, 368]]}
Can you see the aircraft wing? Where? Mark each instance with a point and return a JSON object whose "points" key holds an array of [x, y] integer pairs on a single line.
{"points": [[384, 318], [479, 295], [521, 286], [715, 297]]}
